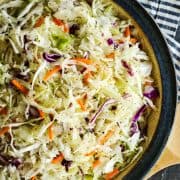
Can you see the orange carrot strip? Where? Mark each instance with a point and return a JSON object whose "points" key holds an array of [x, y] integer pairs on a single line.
{"points": [[105, 138], [33, 178], [133, 40], [147, 83], [4, 130], [81, 104], [51, 72], [39, 22], [127, 32], [120, 41], [91, 153], [83, 60], [50, 132], [66, 28], [57, 159], [111, 55], [58, 22], [20, 87], [112, 174], [86, 78], [96, 163], [3, 111], [41, 113]]}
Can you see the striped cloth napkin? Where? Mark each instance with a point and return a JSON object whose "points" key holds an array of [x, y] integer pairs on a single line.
{"points": [[167, 14]]}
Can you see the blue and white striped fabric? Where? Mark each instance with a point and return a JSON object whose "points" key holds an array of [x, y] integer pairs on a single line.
{"points": [[167, 14]]}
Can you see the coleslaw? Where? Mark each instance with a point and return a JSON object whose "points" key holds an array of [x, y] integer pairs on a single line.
{"points": [[74, 87]]}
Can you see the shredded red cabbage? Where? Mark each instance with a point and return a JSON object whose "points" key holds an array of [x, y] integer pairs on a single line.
{"points": [[139, 113], [110, 41], [25, 77], [151, 92], [108, 102], [133, 129], [74, 28], [16, 162], [6, 160], [18, 74], [33, 112], [66, 164], [51, 57], [116, 46], [129, 69]]}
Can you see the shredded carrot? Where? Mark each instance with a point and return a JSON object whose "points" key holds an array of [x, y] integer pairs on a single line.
{"points": [[3, 111], [127, 32], [4, 130], [96, 163], [39, 22], [112, 174], [105, 138], [58, 22], [66, 28], [147, 83], [51, 72], [86, 78], [41, 113], [120, 41], [83, 60], [50, 132], [91, 153], [19, 86], [81, 104], [133, 40], [111, 55], [57, 159], [85, 97], [33, 178]]}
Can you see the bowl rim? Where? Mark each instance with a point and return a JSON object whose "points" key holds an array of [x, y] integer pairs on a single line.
{"points": [[169, 87]]}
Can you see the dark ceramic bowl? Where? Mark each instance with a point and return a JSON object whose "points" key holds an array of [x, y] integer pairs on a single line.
{"points": [[160, 121]]}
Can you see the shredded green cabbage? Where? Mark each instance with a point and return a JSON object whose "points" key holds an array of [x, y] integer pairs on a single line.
{"points": [[91, 28]]}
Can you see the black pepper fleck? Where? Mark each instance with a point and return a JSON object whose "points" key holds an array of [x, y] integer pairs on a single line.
{"points": [[81, 136], [86, 119], [113, 108]]}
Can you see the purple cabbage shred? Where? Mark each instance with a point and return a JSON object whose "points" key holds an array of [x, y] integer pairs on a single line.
{"points": [[151, 93], [110, 41], [6, 160], [108, 102], [133, 129], [116, 46], [129, 69], [51, 57], [74, 28], [16, 162], [139, 113], [66, 164], [33, 112]]}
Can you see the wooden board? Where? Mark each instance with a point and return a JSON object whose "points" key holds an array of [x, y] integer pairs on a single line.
{"points": [[171, 154]]}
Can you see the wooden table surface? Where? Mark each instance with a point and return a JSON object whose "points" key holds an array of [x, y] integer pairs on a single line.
{"points": [[171, 154]]}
